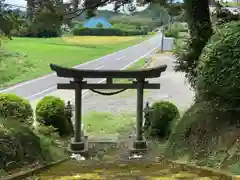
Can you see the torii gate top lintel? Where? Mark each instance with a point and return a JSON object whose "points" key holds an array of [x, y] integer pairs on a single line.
{"points": [[88, 73]]}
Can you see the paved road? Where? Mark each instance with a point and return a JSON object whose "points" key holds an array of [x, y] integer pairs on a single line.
{"points": [[42, 86]]}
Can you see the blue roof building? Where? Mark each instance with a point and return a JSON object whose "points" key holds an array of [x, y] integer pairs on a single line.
{"points": [[94, 21]]}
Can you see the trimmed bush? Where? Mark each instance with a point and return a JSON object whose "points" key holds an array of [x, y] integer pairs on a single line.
{"points": [[50, 111], [28, 31], [172, 32], [106, 32], [164, 113], [15, 107], [218, 72], [126, 26]]}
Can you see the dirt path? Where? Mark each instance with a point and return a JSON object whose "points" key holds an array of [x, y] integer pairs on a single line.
{"points": [[123, 171], [173, 88]]}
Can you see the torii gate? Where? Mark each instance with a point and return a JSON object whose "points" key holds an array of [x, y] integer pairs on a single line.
{"points": [[77, 145]]}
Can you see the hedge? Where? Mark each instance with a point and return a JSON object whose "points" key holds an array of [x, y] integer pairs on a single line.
{"points": [[15, 107], [218, 71], [38, 33], [106, 32]]}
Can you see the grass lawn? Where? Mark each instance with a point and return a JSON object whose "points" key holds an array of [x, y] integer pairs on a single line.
{"points": [[28, 58], [102, 123]]}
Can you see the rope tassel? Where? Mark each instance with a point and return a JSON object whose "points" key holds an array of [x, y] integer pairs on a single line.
{"points": [[107, 93]]}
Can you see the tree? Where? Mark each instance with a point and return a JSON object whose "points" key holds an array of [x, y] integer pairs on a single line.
{"points": [[46, 18], [30, 10], [8, 18], [200, 28]]}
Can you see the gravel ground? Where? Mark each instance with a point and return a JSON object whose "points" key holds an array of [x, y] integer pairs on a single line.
{"points": [[173, 88]]}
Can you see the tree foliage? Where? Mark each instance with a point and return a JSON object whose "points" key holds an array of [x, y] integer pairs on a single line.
{"points": [[52, 13], [218, 71], [48, 17], [9, 19]]}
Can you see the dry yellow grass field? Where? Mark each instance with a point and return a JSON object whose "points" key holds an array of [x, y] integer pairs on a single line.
{"points": [[99, 39]]}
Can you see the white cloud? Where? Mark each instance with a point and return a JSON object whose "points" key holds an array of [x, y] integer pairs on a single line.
{"points": [[16, 2], [24, 3]]}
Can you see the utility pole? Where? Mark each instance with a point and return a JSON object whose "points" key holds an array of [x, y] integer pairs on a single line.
{"points": [[163, 29], [162, 41]]}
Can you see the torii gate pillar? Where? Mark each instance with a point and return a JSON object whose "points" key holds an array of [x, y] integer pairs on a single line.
{"points": [[78, 145], [139, 144]]}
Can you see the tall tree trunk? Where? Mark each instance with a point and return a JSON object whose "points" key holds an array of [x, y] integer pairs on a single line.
{"points": [[30, 10], [200, 28], [199, 23]]}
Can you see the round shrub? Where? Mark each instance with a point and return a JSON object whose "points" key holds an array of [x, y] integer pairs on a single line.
{"points": [[50, 111], [15, 107], [164, 113], [218, 77]]}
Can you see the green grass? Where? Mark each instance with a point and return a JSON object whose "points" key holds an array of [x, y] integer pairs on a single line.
{"points": [[29, 58], [138, 65], [107, 123]]}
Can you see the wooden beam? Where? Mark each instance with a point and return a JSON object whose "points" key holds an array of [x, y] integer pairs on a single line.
{"points": [[88, 73], [108, 86]]}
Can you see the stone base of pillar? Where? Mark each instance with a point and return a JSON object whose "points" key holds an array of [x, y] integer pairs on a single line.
{"points": [[79, 147], [139, 146]]}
